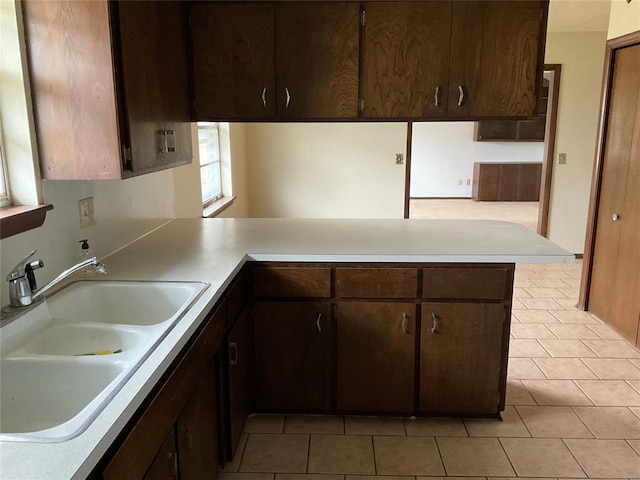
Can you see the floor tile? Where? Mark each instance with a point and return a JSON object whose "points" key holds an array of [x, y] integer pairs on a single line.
{"points": [[567, 303], [314, 424], [509, 426], [553, 422], [374, 477], [635, 384], [447, 478], [524, 282], [549, 282], [573, 316], [245, 476], [606, 458], [571, 292], [356, 425], [435, 426], [613, 368], [523, 369], [541, 457], [556, 392], [407, 456], [517, 394], [605, 332], [564, 368], [520, 293], [567, 348], [541, 303], [474, 456], [267, 452], [610, 393], [348, 454], [308, 476], [264, 423], [610, 422], [538, 292], [517, 305], [234, 465], [613, 348], [635, 444], [534, 330], [535, 316], [526, 348], [566, 331]]}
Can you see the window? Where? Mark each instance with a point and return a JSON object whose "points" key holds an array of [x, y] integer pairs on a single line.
{"points": [[4, 186], [210, 171]]}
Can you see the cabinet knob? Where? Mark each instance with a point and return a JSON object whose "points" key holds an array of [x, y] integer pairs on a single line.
{"points": [[615, 217], [434, 323], [460, 95], [405, 324], [287, 97]]}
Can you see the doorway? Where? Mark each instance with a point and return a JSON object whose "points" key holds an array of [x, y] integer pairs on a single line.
{"points": [[610, 282], [450, 180]]}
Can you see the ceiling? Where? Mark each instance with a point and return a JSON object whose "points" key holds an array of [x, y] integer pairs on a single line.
{"points": [[579, 15]]}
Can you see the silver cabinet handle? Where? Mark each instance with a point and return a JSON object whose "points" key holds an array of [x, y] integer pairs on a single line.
{"points": [[434, 324], [615, 217], [288, 97], [437, 97], [318, 323], [233, 353], [460, 95], [404, 324], [264, 97]]}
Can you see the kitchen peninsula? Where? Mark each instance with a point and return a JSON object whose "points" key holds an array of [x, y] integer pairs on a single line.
{"points": [[437, 291]]}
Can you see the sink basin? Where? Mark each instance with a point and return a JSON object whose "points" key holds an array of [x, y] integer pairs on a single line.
{"points": [[66, 357]]}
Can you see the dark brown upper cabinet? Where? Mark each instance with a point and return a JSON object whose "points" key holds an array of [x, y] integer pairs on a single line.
{"points": [[452, 60], [405, 70], [110, 87], [497, 50], [233, 52], [286, 61]]}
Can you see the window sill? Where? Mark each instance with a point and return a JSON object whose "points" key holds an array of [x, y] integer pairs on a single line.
{"points": [[217, 206], [19, 218]]}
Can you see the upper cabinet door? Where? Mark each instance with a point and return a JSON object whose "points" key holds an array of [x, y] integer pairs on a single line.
{"points": [[496, 57], [406, 59], [233, 61], [154, 84], [317, 58]]}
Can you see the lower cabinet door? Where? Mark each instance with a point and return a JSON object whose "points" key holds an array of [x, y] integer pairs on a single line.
{"points": [[293, 355], [462, 368], [197, 431], [240, 360], [376, 357], [165, 465]]}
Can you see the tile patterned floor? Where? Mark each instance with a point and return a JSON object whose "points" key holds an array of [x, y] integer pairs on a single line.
{"points": [[573, 411]]}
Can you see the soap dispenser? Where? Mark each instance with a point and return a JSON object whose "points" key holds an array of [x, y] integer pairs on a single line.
{"points": [[85, 253]]}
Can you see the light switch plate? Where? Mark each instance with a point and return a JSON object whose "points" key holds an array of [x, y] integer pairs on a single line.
{"points": [[562, 158], [399, 158], [87, 213]]}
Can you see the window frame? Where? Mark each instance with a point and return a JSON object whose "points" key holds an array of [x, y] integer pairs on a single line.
{"points": [[211, 126]]}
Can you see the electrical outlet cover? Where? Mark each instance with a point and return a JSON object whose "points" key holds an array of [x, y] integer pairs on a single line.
{"points": [[87, 212]]}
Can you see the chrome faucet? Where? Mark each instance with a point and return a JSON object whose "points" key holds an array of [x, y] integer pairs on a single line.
{"points": [[23, 290]]}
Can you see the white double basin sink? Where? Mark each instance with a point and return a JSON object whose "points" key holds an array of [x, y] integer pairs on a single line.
{"points": [[65, 358]]}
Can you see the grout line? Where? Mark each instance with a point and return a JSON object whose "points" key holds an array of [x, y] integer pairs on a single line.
{"points": [[373, 451], [515, 408], [444, 467], [504, 450], [306, 469], [574, 457]]}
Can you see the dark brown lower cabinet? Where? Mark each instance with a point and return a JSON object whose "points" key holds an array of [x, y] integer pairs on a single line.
{"points": [[293, 355], [375, 351], [506, 182], [240, 360], [462, 358]]}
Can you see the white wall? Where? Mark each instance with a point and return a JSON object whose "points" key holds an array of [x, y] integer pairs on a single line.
{"points": [[623, 18], [125, 210], [582, 57], [333, 170], [443, 152]]}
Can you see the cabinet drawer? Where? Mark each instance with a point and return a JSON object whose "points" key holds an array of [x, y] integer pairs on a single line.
{"points": [[466, 283], [377, 282], [292, 282]]}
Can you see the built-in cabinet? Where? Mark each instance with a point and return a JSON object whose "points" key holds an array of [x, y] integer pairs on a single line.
{"points": [[290, 61], [110, 87], [375, 60], [506, 182], [461, 59]]}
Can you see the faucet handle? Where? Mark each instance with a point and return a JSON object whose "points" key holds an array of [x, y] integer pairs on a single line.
{"points": [[20, 270]]}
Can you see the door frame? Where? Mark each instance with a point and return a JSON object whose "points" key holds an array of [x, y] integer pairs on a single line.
{"points": [[598, 167]]}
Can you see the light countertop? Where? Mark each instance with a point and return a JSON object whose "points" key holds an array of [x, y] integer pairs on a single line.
{"points": [[214, 250]]}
